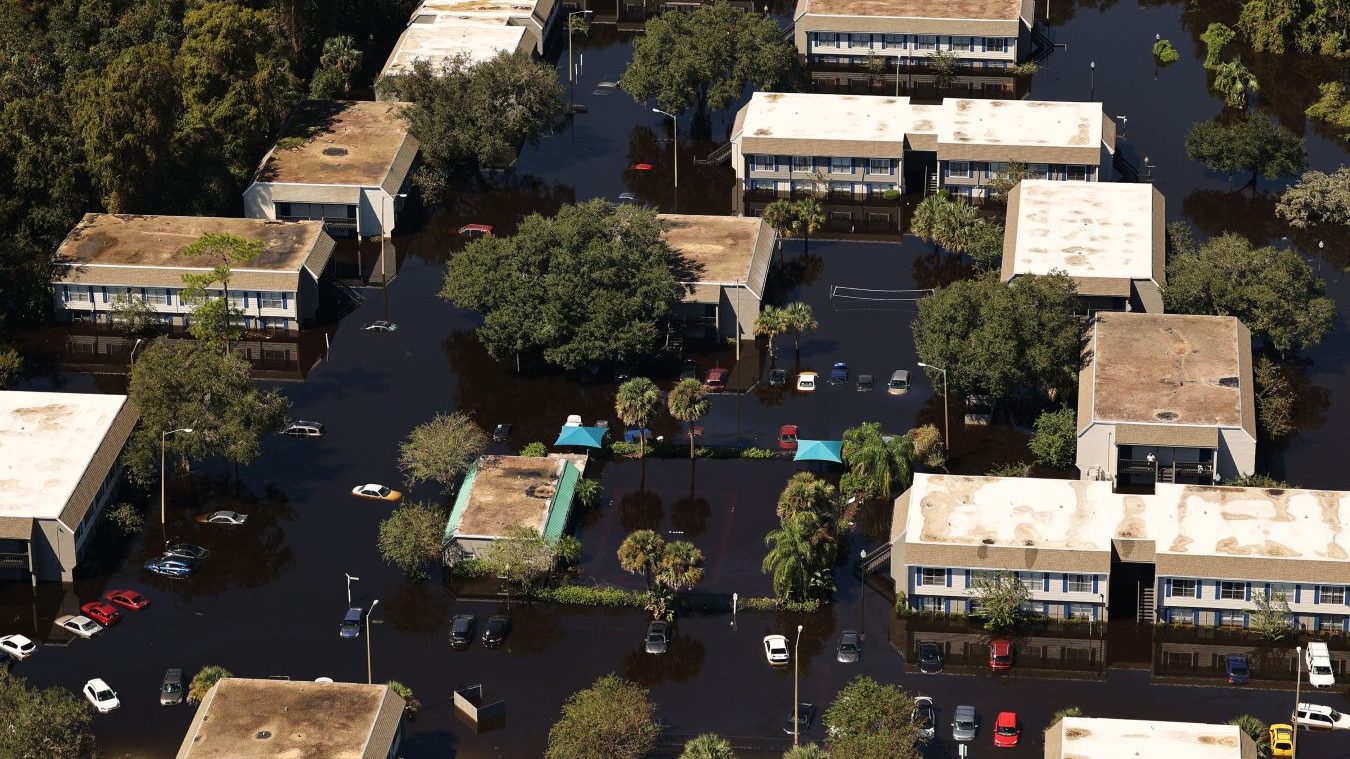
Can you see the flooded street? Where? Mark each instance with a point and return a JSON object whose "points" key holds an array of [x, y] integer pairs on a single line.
{"points": [[269, 600]]}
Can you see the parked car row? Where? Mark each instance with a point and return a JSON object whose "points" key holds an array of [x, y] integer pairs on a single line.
{"points": [[179, 559], [462, 627]]}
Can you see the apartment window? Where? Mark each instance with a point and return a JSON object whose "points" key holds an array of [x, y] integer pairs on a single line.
{"points": [[764, 163], [1080, 611], [77, 295], [958, 169], [841, 165], [860, 40], [932, 576], [190, 300], [156, 296], [1229, 618], [271, 300], [1330, 623], [1331, 594], [827, 39], [961, 44], [982, 575], [879, 166], [1080, 584], [927, 42], [801, 163], [1233, 591], [283, 209], [930, 603], [1184, 589], [1030, 580], [1076, 172], [893, 41], [995, 45]]}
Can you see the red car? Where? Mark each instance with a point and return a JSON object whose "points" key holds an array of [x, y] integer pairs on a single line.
{"points": [[1000, 654], [103, 613], [1006, 731], [640, 167], [787, 437], [127, 599], [474, 231], [716, 381]]}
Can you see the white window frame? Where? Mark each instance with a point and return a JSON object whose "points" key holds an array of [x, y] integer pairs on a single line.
{"points": [[963, 173], [1080, 611], [925, 42], [157, 296], [925, 573], [879, 166], [837, 165], [962, 44], [272, 300], [893, 42], [1229, 618], [931, 603], [764, 163], [995, 44], [1337, 590], [1079, 584], [1331, 623], [1226, 588], [1070, 170], [1177, 583], [801, 163]]}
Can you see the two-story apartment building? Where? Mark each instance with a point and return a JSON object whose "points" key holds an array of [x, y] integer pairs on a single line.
{"points": [[979, 34], [441, 30], [859, 147], [1109, 237], [109, 257], [1166, 398], [343, 162], [1202, 554]]}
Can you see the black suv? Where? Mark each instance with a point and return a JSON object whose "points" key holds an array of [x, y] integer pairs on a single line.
{"points": [[930, 657], [461, 631], [496, 630]]}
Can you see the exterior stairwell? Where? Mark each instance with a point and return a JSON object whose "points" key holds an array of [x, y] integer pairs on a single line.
{"points": [[1146, 606]]}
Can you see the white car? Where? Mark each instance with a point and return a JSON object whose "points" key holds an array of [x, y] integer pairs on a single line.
{"points": [[80, 625], [101, 695], [806, 382], [18, 646], [223, 517], [1318, 660], [776, 649], [1319, 717], [376, 492]]}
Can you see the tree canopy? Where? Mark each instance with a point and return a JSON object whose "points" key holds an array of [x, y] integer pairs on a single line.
{"points": [[589, 285], [1002, 340], [688, 403], [613, 718], [43, 723], [1272, 290], [871, 720], [877, 469], [1317, 198], [1055, 439], [1332, 107], [410, 538], [185, 384], [1251, 144], [707, 58], [1307, 26], [442, 449], [998, 597], [475, 115], [636, 402], [956, 225]]}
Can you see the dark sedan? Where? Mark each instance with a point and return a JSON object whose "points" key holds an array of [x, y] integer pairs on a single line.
{"points": [[461, 631], [495, 631], [930, 657]]}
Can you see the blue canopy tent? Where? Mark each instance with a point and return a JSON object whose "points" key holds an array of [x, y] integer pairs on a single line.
{"points": [[819, 450], [585, 437]]}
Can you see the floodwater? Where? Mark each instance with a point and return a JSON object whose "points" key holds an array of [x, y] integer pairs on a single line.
{"points": [[269, 600]]}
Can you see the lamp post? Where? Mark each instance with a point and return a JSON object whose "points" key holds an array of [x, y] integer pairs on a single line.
{"points": [[1298, 681], [349, 588], [1157, 37], [163, 474], [897, 76], [674, 142], [735, 599], [134, 346], [796, 667], [946, 421], [369, 676], [1092, 79], [862, 594], [571, 85]]}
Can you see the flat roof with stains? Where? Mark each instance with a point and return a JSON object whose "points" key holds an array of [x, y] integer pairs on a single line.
{"points": [[443, 29], [995, 10], [1133, 738], [242, 717], [512, 491], [1260, 523], [1085, 229], [719, 248], [47, 441], [1172, 369], [104, 239], [346, 142], [1026, 123], [813, 116]]}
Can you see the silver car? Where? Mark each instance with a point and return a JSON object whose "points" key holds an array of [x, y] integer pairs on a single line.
{"points": [[658, 638], [171, 690], [925, 718], [964, 724], [849, 648]]}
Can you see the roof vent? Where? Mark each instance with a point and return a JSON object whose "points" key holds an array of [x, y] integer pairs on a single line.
{"points": [[335, 151], [1166, 416], [263, 735], [988, 541], [1228, 382]]}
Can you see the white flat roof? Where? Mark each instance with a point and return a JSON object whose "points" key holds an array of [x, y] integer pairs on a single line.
{"points": [[1032, 123], [1135, 738], [810, 116], [46, 442], [1291, 524], [1085, 229], [443, 29]]}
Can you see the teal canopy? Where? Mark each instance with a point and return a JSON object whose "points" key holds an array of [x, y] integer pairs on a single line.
{"points": [[587, 437], [818, 450]]}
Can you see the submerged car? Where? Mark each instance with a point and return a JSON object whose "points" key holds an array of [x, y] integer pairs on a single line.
{"points": [[223, 517], [787, 437], [802, 720], [171, 566], [806, 382], [865, 383], [1000, 655], [79, 625], [716, 381], [377, 493], [103, 613], [1317, 659], [1319, 717], [839, 373], [1281, 740], [1006, 730], [303, 429], [899, 382], [495, 631], [380, 325], [352, 623], [127, 599], [186, 551], [964, 723], [930, 657], [1236, 668], [777, 377], [776, 650], [658, 638], [18, 646], [461, 631], [925, 718], [849, 648], [101, 695], [475, 231], [171, 688]]}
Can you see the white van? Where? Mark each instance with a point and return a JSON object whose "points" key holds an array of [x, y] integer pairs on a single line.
{"points": [[1318, 659]]}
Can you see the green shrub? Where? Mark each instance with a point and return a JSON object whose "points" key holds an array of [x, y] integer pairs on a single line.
{"points": [[126, 517], [289, 143], [536, 450], [569, 549], [469, 568], [774, 604], [756, 453], [585, 595], [411, 704], [890, 194], [902, 604], [588, 493], [620, 448], [1165, 53], [1029, 68]]}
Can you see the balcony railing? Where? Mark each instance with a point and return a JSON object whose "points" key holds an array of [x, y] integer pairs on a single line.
{"points": [[1166, 472]]}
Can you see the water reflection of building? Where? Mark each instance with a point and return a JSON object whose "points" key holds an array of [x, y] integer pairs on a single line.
{"points": [[875, 217], [1199, 654], [1166, 398], [916, 81], [272, 357], [1052, 651]]}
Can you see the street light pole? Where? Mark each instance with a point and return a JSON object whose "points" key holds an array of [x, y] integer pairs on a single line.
{"points": [[1092, 79], [862, 594], [796, 667], [1298, 655], [735, 599], [571, 85], [946, 420], [349, 588], [370, 679], [163, 474], [674, 141]]}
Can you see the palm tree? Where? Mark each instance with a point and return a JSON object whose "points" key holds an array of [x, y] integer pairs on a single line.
{"points": [[680, 566], [806, 492], [635, 403], [1234, 81], [794, 555], [687, 403], [808, 751], [798, 318], [780, 215], [341, 55], [810, 218], [771, 322], [640, 552], [877, 468], [1068, 711], [1256, 729], [707, 746], [944, 221]]}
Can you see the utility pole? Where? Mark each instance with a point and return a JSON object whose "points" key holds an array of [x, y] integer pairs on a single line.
{"points": [[796, 668], [674, 142], [369, 672], [571, 75], [349, 588], [1298, 654], [946, 420], [163, 473]]}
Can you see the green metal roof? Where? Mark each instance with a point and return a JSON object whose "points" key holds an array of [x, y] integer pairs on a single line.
{"points": [[461, 504], [560, 508]]}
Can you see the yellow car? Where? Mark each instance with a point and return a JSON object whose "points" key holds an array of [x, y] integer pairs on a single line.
{"points": [[377, 493], [1281, 740]]}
